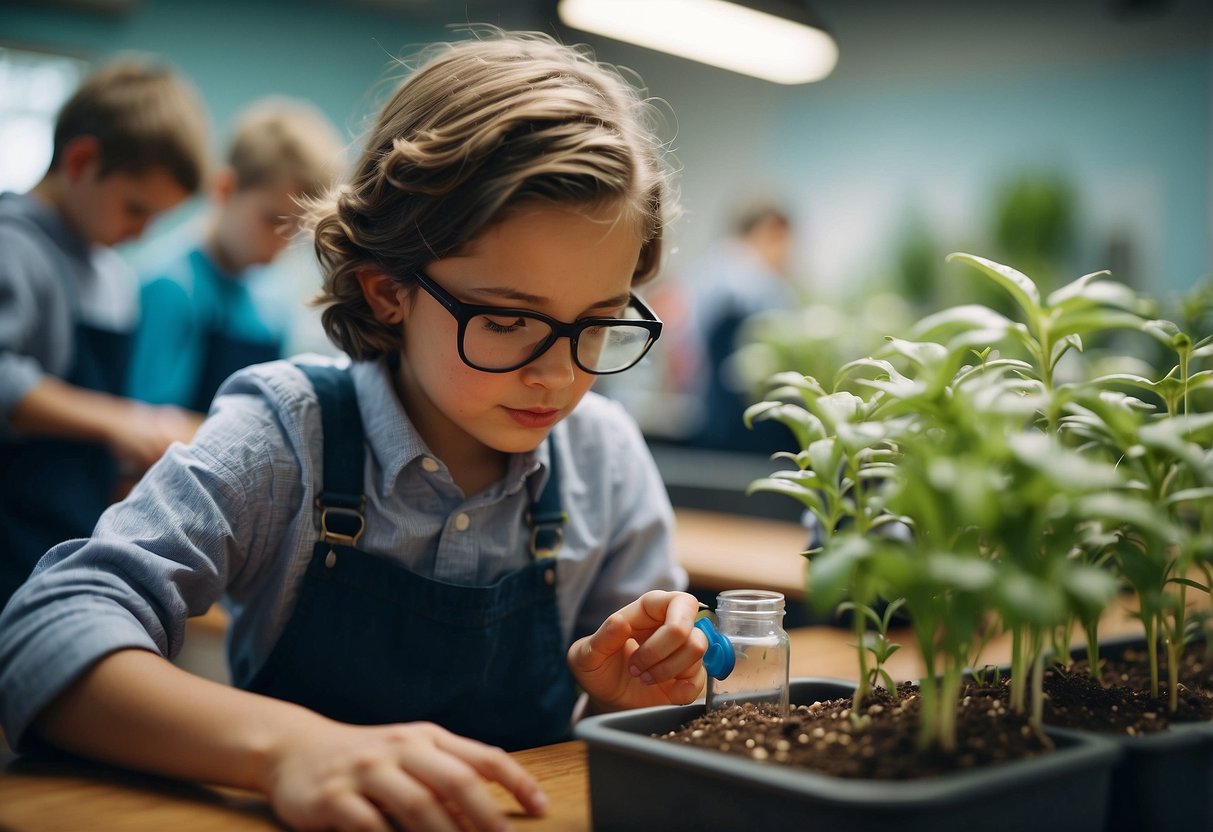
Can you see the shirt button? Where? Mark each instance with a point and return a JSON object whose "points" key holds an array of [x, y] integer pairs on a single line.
{"points": [[429, 464], [462, 521], [549, 576]]}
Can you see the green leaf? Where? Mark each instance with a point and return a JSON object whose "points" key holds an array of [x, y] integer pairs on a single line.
{"points": [[837, 409], [1090, 321], [1017, 284], [806, 477], [1080, 289], [826, 456], [808, 497], [1126, 379], [1189, 582], [943, 325], [922, 353], [1169, 334], [1199, 380], [958, 572], [1028, 599], [796, 381], [852, 368], [1073, 341], [1068, 469], [804, 425], [1090, 588], [831, 573], [1123, 508], [1190, 495]]}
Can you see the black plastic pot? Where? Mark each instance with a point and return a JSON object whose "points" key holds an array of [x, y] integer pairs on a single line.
{"points": [[639, 782], [1163, 780]]}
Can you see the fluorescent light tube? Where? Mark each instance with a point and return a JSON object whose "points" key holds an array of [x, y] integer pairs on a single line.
{"points": [[713, 32]]}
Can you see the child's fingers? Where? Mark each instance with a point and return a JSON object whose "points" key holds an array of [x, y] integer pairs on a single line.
{"points": [[684, 661], [593, 651], [353, 811], [494, 764], [412, 804], [684, 691], [676, 630]]}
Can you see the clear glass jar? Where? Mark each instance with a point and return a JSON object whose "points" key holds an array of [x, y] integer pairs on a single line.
{"points": [[752, 620]]}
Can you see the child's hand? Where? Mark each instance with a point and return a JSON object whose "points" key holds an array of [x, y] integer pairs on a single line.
{"points": [[648, 653], [142, 433], [414, 776]]}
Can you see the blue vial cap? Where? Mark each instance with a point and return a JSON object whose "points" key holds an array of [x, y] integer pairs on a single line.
{"points": [[720, 658]]}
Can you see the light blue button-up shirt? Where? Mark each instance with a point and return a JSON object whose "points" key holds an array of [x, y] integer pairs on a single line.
{"points": [[231, 517]]}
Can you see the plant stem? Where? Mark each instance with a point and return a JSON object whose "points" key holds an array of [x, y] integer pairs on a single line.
{"points": [[1018, 681], [1151, 624], [861, 690], [1091, 628], [1038, 675]]}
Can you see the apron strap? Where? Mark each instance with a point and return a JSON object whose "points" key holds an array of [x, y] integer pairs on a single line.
{"points": [[546, 516], [341, 501]]}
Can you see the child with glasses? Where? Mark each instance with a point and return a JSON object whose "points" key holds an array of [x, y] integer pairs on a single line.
{"points": [[425, 553]]}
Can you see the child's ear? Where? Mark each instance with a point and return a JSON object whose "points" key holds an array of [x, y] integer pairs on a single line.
{"points": [[223, 185], [385, 297], [81, 156]]}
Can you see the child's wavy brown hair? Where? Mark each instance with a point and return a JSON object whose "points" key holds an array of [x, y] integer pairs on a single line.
{"points": [[482, 127]]}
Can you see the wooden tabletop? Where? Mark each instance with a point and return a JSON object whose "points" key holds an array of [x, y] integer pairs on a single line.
{"points": [[723, 551]]}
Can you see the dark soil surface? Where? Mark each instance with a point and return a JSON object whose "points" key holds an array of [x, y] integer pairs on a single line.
{"points": [[881, 743], [1121, 701], [823, 736]]}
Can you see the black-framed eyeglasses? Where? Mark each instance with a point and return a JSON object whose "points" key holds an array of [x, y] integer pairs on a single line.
{"points": [[497, 339]]}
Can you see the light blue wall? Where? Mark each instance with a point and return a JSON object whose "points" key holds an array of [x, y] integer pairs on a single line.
{"points": [[1133, 136], [237, 50]]}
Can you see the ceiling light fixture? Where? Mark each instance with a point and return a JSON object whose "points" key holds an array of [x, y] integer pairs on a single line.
{"points": [[722, 34]]}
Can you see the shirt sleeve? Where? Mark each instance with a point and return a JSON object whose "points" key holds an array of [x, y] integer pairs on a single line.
{"points": [[161, 556], [19, 315], [167, 354]]}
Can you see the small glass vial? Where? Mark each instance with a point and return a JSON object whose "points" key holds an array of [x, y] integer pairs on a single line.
{"points": [[752, 620]]}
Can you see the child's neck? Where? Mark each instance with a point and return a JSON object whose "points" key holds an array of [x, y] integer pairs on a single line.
{"points": [[215, 250], [473, 465], [477, 471]]}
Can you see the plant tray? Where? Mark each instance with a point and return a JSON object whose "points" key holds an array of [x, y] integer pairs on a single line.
{"points": [[640, 782], [1163, 780]]}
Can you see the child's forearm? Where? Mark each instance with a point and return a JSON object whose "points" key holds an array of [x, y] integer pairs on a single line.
{"points": [[55, 408], [136, 433], [135, 709]]}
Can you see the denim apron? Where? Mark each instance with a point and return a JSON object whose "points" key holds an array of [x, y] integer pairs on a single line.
{"points": [[372, 642], [223, 355], [51, 489]]}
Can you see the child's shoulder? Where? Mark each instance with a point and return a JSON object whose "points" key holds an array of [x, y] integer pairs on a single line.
{"points": [[282, 384], [602, 420]]}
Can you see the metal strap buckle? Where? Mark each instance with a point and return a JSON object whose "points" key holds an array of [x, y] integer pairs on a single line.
{"points": [[557, 536], [338, 538]]}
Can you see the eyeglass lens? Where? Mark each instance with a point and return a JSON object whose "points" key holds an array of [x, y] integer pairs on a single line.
{"points": [[497, 342]]}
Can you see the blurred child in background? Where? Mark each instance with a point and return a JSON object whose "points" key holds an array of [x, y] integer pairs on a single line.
{"points": [[203, 316], [129, 144]]}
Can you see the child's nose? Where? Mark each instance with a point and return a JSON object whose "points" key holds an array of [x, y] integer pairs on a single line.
{"points": [[555, 368]]}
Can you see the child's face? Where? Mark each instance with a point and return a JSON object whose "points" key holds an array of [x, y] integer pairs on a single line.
{"points": [[563, 262], [117, 207], [254, 225]]}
